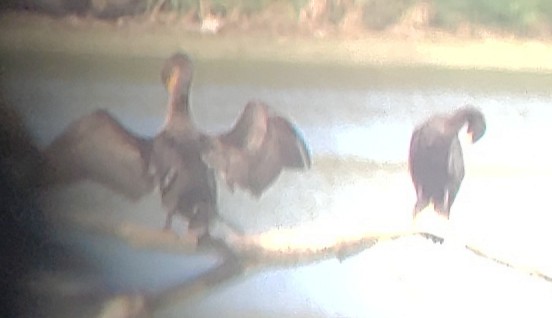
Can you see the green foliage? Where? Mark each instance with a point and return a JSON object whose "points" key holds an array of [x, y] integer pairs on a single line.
{"points": [[379, 14], [521, 16], [245, 6], [174, 5], [223, 6]]}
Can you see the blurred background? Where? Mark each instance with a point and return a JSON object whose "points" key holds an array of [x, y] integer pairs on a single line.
{"points": [[463, 18], [355, 77]]}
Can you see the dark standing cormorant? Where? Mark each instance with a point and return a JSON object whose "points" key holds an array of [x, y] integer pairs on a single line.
{"points": [[436, 164], [180, 160]]}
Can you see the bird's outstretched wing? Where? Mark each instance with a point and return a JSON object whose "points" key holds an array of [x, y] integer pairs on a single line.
{"points": [[98, 148], [257, 149]]}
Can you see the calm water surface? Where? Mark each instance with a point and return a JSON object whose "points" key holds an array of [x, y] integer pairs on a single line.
{"points": [[364, 112]]}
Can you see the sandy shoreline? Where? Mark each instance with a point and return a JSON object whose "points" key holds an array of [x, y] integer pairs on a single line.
{"points": [[33, 32]]}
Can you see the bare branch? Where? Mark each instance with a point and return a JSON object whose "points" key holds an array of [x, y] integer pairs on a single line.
{"points": [[243, 254], [230, 269], [509, 263], [279, 247]]}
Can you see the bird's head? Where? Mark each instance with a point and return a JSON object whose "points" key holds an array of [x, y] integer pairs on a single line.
{"points": [[476, 124], [177, 73], [474, 119]]}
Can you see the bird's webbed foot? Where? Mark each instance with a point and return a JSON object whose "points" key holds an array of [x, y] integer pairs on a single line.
{"points": [[434, 238], [198, 224]]}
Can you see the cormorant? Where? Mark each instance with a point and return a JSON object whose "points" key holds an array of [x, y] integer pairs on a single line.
{"points": [[180, 160], [436, 163], [256, 150]]}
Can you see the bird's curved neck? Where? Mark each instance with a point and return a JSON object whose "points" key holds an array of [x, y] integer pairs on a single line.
{"points": [[459, 120], [178, 114]]}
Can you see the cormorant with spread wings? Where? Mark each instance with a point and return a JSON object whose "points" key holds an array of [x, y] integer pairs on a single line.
{"points": [[179, 160]]}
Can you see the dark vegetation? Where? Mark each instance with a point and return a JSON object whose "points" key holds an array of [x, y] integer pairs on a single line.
{"points": [[520, 17]]}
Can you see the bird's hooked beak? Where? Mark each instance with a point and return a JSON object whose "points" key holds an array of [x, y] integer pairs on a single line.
{"points": [[466, 136], [469, 136], [172, 81]]}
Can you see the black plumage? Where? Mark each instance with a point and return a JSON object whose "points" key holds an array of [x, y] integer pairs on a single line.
{"points": [[257, 149], [436, 162], [180, 160]]}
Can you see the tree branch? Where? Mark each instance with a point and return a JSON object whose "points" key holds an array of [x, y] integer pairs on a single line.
{"points": [[489, 255], [278, 247], [229, 270], [243, 254]]}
